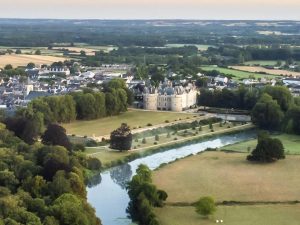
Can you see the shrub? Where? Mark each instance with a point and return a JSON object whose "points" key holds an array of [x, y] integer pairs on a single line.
{"points": [[155, 143], [149, 124], [200, 128], [144, 141], [167, 121], [205, 206], [175, 139]]}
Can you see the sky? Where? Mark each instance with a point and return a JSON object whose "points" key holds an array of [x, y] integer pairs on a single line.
{"points": [[152, 9]]}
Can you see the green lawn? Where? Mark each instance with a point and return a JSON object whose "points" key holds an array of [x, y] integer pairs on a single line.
{"points": [[232, 215], [134, 118], [290, 142], [236, 73]]}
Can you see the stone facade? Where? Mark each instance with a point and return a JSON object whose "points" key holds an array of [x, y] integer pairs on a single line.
{"points": [[166, 97]]}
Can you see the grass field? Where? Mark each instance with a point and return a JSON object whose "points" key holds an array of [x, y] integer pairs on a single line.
{"points": [[232, 215], [23, 59], [200, 47], [291, 144], [134, 118], [256, 69], [229, 177], [236, 73]]}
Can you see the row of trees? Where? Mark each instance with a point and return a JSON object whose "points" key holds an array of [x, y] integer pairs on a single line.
{"points": [[241, 98], [42, 184], [29, 123]]}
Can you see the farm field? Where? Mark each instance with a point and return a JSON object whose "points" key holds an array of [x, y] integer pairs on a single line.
{"points": [[232, 215], [134, 118], [229, 177], [237, 74], [23, 60], [290, 142], [256, 69]]}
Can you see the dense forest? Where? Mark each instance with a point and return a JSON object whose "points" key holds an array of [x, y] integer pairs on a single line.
{"points": [[144, 33], [43, 184]]}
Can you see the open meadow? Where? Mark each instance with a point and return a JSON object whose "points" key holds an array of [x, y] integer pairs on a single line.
{"points": [[229, 177], [238, 75], [23, 59], [262, 193]]}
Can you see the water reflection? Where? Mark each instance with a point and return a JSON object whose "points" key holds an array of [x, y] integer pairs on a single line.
{"points": [[94, 180], [110, 198], [121, 174]]}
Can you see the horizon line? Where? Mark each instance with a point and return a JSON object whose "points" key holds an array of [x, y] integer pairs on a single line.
{"points": [[145, 19]]}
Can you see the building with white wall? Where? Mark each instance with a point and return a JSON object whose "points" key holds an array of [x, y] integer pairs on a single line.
{"points": [[167, 97]]}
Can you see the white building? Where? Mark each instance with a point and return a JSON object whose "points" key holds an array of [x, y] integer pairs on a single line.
{"points": [[166, 97]]}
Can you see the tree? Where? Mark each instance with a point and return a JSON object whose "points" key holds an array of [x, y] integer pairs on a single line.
{"points": [[267, 149], [121, 138], [281, 94], [56, 135], [8, 67], [82, 53], [30, 65], [205, 206], [18, 51], [293, 120], [267, 113], [38, 52]]}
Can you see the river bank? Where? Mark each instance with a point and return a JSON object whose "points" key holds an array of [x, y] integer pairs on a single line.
{"points": [[110, 158]]}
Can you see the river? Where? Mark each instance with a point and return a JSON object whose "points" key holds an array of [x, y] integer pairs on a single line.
{"points": [[110, 198]]}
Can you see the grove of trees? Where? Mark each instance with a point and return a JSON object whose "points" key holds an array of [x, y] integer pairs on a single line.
{"points": [[41, 184]]}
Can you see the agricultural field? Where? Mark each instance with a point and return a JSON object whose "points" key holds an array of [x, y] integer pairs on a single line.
{"points": [[23, 59], [238, 75], [232, 215], [291, 144], [134, 118], [200, 47], [257, 69]]}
